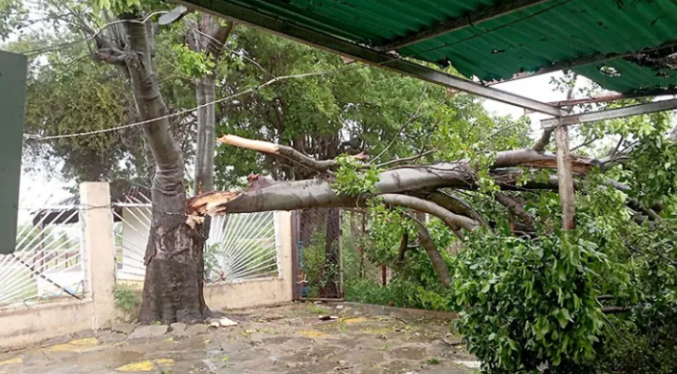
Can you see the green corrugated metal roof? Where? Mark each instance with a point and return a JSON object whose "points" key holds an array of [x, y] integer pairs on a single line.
{"points": [[527, 40]]}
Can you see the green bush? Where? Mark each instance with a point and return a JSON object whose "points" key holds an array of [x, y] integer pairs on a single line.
{"points": [[398, 292], [527, 303], [126, 300], [646, 344]]}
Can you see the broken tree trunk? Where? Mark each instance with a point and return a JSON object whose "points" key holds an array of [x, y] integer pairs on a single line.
{"points": [[172, 291], [416, 187]]}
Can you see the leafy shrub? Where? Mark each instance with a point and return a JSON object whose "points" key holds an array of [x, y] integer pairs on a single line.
{"points": [[645, 341], [398, 292], [647, 344], [126, 300], [528, 303]]}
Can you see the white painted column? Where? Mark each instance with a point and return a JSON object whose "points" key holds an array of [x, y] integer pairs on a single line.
{"points": [[283, 227], [99, 250]]}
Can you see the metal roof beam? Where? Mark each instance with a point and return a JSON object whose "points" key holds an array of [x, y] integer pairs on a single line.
{"points": [[635, 110], [330, 43], [614, 97], [475, 18]]}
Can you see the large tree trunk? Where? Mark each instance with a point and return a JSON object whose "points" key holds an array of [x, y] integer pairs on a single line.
{"points": [[210, 39], [330, 282], [330, 286], [206, 122], [172, 291]]}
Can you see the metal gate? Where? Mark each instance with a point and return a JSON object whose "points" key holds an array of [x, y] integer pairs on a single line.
{"points": [[318, 254]]}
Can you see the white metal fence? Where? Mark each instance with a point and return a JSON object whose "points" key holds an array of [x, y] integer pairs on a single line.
{"points": [[240, 246], [132, 221], [48, 258], [243, 246]]}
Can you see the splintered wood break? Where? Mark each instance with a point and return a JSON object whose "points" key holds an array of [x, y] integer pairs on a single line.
{"points": [[194, 220], [256, 145], [578, 165], [208, 203]]}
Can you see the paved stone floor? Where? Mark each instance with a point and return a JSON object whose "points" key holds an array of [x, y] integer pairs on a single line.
{"points": [[286, 339]]}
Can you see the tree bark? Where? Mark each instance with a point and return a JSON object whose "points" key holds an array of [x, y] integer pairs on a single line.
{"points": [[212, 42], [516, 209], [436, 258], [205, 93], [200, 150], [330, 280], [174, 260]]}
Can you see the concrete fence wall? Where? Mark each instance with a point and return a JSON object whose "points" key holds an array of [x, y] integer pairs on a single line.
{"points": [[25, 325]]}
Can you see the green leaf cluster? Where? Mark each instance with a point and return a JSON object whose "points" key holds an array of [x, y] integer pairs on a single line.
{"points": [[353, 179], [525, 303]]}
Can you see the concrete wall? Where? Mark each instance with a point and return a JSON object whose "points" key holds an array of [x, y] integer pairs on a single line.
{"points": [[23, 326], [26, 325]]}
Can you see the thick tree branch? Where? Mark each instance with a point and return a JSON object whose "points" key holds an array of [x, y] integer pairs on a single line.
{"points": [[403, 246], [543, 142], [168, 157], [452, 220], [516, 209], [615, 309], [451, 203], [436, 258], [219, 38], [110, 55], [279, 150], [405, 159], [521, 157], [399, 186], [312, 194], [318, 193]]}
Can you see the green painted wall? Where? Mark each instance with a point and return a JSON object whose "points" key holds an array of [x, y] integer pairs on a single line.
{"points": [[13, 70]]}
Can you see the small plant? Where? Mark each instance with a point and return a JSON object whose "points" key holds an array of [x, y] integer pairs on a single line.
{"points": [[211, 260], [432, 361], [125, 299], [316, 309]]}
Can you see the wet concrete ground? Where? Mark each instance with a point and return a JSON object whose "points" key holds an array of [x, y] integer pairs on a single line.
{"points": [[286, 339]]}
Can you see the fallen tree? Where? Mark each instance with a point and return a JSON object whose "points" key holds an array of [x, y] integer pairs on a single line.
{"points": [[422, 188], [532, 294], [418, 187]]}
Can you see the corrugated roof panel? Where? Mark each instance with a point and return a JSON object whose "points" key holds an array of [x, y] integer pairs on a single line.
{"points": [[521, 41], [499, 48], [624, 76]]}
